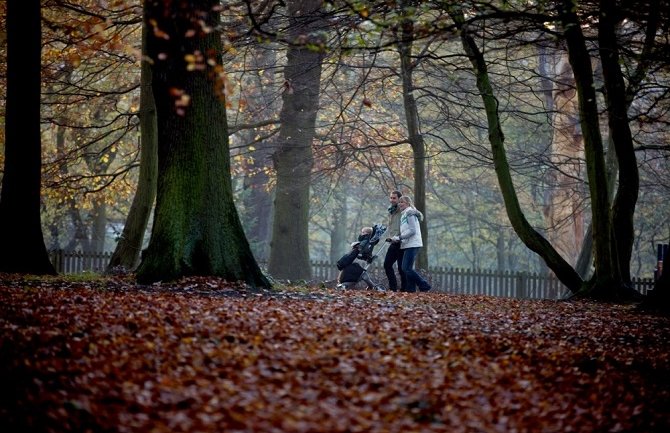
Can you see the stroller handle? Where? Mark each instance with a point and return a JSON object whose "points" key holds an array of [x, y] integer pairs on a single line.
{"points": [[376, 254]]}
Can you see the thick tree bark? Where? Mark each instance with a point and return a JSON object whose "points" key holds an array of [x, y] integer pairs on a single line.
{"points": [[127, 252], [23, 249], [196, 228], [289, 255], [405, 42], [528, 235]]}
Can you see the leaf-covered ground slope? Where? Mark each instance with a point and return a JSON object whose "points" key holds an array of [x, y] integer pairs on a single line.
{"points": [[204, 356]]}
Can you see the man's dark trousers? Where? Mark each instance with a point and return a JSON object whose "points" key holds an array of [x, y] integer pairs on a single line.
{"points": [[394, 255]]}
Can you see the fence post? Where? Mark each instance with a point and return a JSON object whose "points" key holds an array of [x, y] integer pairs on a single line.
{"points": [[520, 285], [662, 252], [57, 260]]}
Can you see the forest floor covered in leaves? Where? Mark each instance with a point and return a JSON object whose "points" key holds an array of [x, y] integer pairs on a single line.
{"points": [[202, 355]]}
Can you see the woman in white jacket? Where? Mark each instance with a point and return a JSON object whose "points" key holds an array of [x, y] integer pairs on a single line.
{"points": [[410, 242]]}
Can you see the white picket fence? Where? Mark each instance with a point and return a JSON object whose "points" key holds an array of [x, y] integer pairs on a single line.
{"points": [[75, 262], [521, 285]]}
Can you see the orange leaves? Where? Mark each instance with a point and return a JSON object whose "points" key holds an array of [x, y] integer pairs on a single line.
{"points": [[181, 100], [158, 33], [207, 355]]}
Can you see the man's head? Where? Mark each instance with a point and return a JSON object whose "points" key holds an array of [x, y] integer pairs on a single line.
{"points": [[394, 196]]}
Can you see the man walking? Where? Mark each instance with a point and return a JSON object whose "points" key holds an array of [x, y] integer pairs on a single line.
{"points": [[394, 254]]}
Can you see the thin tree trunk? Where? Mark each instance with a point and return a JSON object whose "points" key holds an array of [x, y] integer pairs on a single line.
{"points": [[500, 250], [23, 249], [583, 266], [338, 235], [405, 43], [79, 238], [127, 252], [98, 227]]}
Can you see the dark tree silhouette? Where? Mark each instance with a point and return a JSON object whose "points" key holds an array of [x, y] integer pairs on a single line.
{"points": [[22, 248]]}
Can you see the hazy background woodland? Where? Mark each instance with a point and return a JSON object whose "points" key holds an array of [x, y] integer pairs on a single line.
{"points": [[91, 60]]}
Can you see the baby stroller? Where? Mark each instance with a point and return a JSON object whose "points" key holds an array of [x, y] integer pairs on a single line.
{"points": [[349, 265]]}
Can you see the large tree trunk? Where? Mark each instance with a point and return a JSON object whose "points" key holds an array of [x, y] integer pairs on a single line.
{"points": [[127, 252], [196, 228], [405, 42], [289, 255], [528, 235], [23, 249]]}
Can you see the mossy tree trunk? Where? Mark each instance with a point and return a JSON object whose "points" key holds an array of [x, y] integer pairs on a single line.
{"points": [[23, 249], [196, 228]]}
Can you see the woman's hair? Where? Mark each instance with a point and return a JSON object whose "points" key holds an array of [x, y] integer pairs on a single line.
{"points": [[406, 199]]}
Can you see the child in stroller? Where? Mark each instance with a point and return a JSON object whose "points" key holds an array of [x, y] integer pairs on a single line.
{"points": [[349, 265]]}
